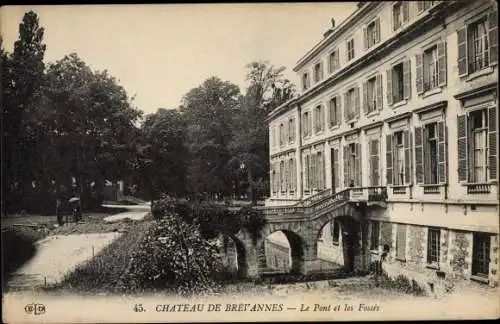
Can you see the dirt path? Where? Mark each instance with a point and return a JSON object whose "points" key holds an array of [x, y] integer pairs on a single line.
{"points": [[57, 255], [72, 244]]}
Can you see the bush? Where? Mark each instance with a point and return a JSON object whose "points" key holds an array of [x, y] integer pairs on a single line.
{"points": [[18, 246], [174, 255], [107, 269]]}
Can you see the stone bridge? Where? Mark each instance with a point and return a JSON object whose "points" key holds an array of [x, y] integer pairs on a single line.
{"points": [[303, 223]]}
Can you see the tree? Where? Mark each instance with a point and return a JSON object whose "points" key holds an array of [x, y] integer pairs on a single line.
{"points": [[163, 153], [22, 79], [250, 141], [91, 125], [208, 111]]}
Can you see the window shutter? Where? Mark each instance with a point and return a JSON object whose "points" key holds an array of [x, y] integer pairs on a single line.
{"points": [[442, 176], [346, 166], [357, 164], [419, 78], [419, 155], [441, 51], [346, 107], [336, 168], [401, 242], [406, 12], [356, 101], [374, 160], [407, 149], [407, 79], [462, 147], [365, 98], [389, 87], [493, 36], [388, 158], [322, 171], [492, 143], [365, 39], [377, 30], [462, 51], [338, 111], [379, 90]]}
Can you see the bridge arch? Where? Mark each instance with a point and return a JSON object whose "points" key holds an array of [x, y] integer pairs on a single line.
{"points": [[234, 255], [294, 247], [349, 228]]}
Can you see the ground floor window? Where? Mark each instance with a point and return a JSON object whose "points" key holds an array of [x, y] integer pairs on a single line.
{"points": [[481, 254], [433, 246]]}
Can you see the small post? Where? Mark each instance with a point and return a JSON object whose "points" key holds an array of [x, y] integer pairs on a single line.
{"points": [[92, 251], [45, 281]]}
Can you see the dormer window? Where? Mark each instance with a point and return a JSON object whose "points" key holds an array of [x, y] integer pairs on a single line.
{"points": [[372, 33], [305, 81], [333, 61], [350, 49], [318, 72]]}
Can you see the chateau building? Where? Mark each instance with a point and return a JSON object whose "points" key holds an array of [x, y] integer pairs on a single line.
{"points": [[402, 95]]}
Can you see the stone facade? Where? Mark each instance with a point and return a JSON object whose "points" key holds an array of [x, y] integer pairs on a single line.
{"points": [[336, 138]]}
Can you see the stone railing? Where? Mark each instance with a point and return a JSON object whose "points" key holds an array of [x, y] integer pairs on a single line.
{"points": [[326, 200]]}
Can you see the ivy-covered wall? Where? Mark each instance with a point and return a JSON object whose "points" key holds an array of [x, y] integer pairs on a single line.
{"points": [[461, 250]]}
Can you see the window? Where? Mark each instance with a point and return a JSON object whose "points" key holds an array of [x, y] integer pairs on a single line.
{"points": [[374, 162], [398, 158], [400, 14], [398, 82], [401, 242], [335, 168], [477, 146], [305, 81], [372, 94], [372, 33], [399, 170], [350, 49], [397, 16], [282, 176], [291, 130], [433, 246], [371, 101], [334, 111], [306, 129], [351, 104], [375, 233], [318, 72], [431, 68], [318, 119], [479, 129], [293, 175], [430, 153], [333, 61], [307, 178], [335, 228], [397, 85], [273, 178], [352, 166], [478, 44], [282, 134], [480, 254], [320, 171], [430, 164]]}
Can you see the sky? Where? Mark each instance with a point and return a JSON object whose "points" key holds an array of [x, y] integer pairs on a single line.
{"points": [[160, 52]]}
